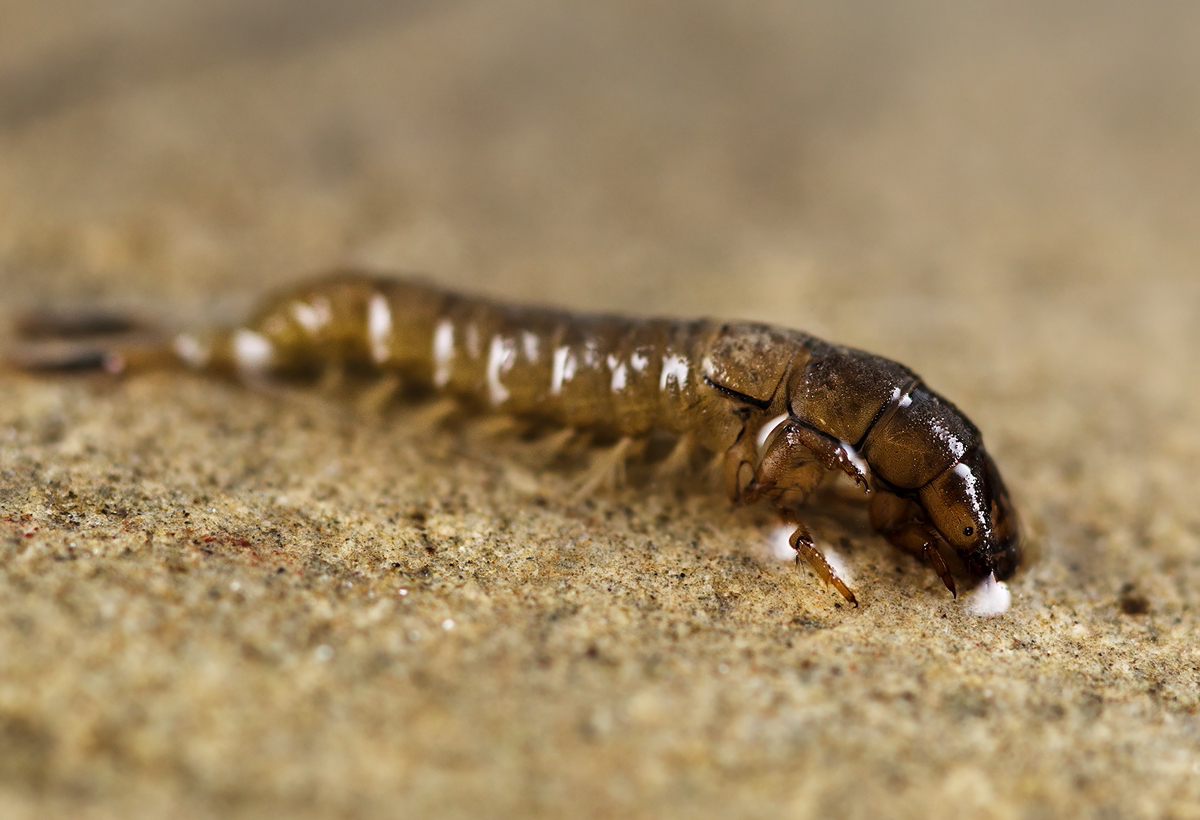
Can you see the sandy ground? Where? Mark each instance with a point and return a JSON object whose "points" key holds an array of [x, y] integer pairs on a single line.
{"points": [[222, 602]]}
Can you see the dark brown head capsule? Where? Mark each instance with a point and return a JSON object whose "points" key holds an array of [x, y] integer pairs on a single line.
{"points": [[935, 482], [932, 482]]}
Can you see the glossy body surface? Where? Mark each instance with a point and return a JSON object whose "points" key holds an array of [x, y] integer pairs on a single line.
{"points": [[779, 408]]}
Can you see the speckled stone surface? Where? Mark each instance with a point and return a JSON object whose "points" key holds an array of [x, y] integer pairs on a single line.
{"points": [[216, 601]]}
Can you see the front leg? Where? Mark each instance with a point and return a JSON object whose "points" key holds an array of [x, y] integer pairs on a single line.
{"points": [[795, 461], [899, 521], [786, 473], [831, 452]]}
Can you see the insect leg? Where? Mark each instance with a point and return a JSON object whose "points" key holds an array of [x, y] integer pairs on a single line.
{"points": [[897, 520], [788, 472], [829, 451], [498, 427], [432, 416], [679, 458], [552, 446], [607, 469], [802, 542], [934, 556], [375, 399]]}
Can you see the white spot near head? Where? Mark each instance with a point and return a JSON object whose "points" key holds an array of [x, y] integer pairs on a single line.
{"points": [[638, 361], [473, 348], [252, 352], [674, 369], [971, 485], [764, 432], [191, 350], [379, 328], [443, 352], [990, 598], [529, 341], [501, 355], [905, 400], [707, 367]]}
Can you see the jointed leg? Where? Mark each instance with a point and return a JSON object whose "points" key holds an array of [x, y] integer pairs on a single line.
{"points": [[829, 452], [802, 542], [678, 460], [608, 469], [897, 520]]}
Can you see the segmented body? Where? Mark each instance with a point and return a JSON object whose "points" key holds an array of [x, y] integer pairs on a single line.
{"points": [[779, 407], [624, 376]]}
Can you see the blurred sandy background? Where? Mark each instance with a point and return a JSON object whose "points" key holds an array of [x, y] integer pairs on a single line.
{"points": [[215, 602]]}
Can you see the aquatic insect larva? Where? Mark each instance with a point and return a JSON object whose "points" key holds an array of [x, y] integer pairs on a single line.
{"points": [[780, 408]]}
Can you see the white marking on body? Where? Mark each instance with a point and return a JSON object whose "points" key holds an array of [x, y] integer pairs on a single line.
{"points": [[707, 367], [905, 400], [191, 350], [851, 455], [500, 360], [306, 317], [990, 598], [379, 328], [591, 356], [638, 361], [312, 316], [443, 352], [971, 484], [953, 442], [767, 429], [252, 351], [674, 369], [473, 341], [529, 341], [559, 369], [619, 373]]}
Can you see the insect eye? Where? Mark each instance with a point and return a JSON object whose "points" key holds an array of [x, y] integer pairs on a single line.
{"points": [[968, 531]]}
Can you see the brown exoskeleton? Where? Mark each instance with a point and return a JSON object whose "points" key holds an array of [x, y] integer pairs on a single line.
{"points": [[780, 408]]}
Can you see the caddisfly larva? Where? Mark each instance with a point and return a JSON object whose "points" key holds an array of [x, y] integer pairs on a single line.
{"points": [[779, 408]]}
